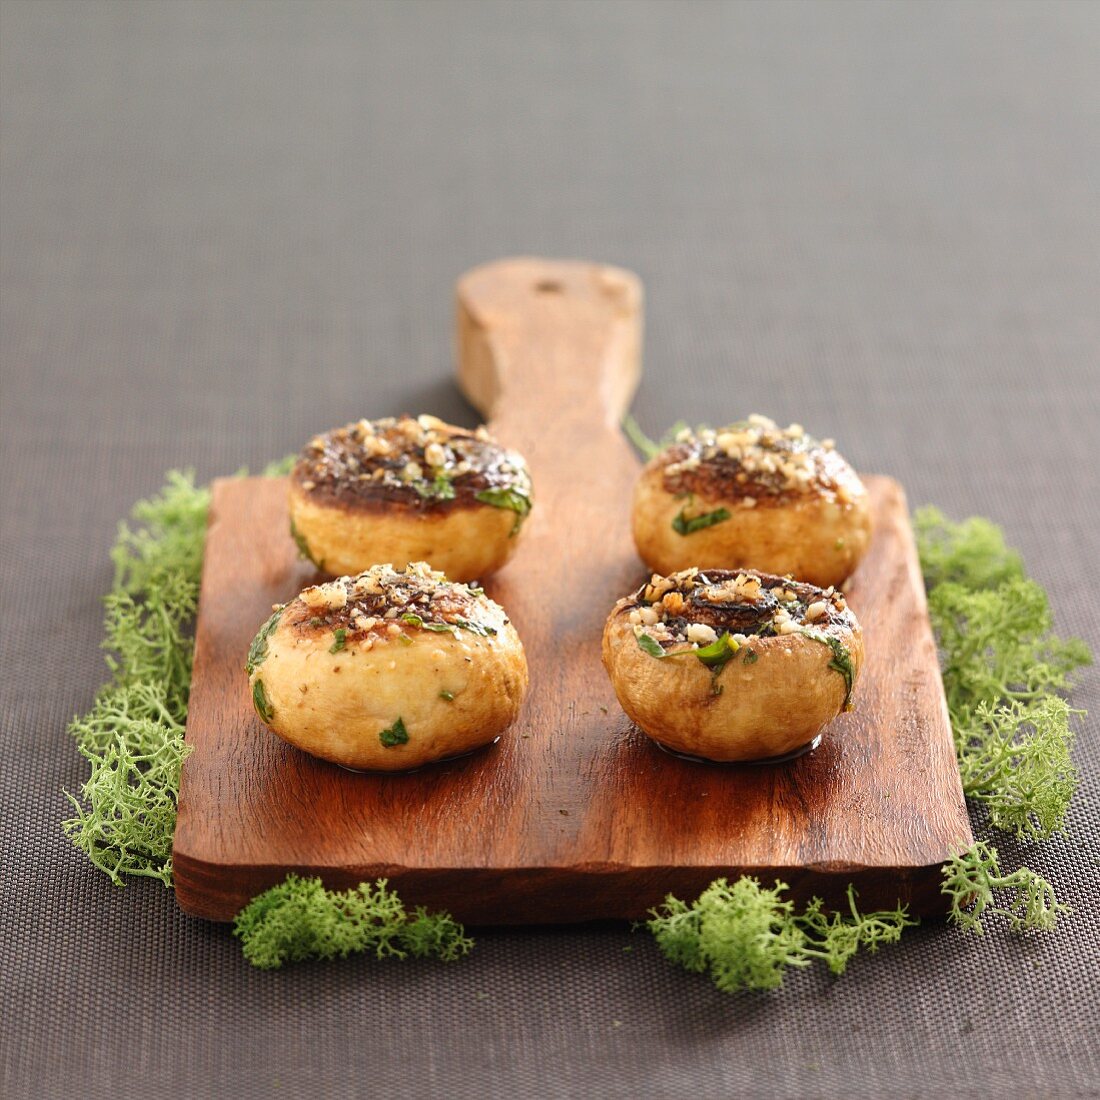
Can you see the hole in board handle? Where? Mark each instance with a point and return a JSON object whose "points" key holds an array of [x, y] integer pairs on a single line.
{"points": [[549, 286]]}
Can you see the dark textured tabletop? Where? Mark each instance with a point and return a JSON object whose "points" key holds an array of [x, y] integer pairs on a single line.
{"points": [[228, 225]]}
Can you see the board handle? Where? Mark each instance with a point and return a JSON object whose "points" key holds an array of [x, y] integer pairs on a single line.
{"points": [[559, 340]]}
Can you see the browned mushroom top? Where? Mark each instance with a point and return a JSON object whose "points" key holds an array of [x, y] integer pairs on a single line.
{"points": [[388, 604], [755, 461], [416, 462], [696, 607]]}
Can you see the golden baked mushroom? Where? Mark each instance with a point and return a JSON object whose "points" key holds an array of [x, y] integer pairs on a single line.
{"points": [[752, 495], [408, 489], [388, 670], [730, 665]]}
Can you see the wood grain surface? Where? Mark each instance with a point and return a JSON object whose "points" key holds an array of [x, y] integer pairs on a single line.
{"points": [[574, 815]]}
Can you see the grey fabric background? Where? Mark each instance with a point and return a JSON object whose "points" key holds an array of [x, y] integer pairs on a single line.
{"points": [[228, 225]]}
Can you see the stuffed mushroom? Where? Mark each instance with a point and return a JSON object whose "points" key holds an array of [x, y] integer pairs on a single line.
{"points": [[732, 666], [388, 670], [752, 495], [408, 489]]}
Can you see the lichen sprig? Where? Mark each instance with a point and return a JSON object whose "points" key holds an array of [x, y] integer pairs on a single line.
{"points": [[973, 877], [299, 919], [132, 737], [746, 936], [1004, 674]]}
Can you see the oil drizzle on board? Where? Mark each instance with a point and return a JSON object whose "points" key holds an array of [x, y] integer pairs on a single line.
{"points": [[574, 815]]}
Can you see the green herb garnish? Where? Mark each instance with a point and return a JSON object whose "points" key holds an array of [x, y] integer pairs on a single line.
{"points": [[649, 645], [299, 919], [257, 651], [303, 546], [438, 628], [340, 637], [439, 488], [649, 447], [509, 497], [841, 660], [714, 656], [259, 701], [474, 628], [447, 696], [394, 735], [751, 657], [683, 525]]}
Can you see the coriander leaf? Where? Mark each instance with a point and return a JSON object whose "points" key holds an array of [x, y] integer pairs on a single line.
{"points": [[257, 651], [474, 628], [509, 497], [304, 551], [841, 660], [649, 645], [447, 696], [340, 637], [438, 628], [751, 657], [646, 446], [299, 919], [394, 735], [683, 525], [440, 488], [259, 701]]}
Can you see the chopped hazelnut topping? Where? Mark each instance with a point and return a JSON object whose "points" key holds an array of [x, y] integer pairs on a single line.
{"points": [[674, 602], [693, 608], [327, 597], [753, 452], [701, 633], [420, 461]]}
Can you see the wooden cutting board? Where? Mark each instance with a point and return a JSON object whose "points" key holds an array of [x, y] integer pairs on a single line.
{"points": [[574, 815]]}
